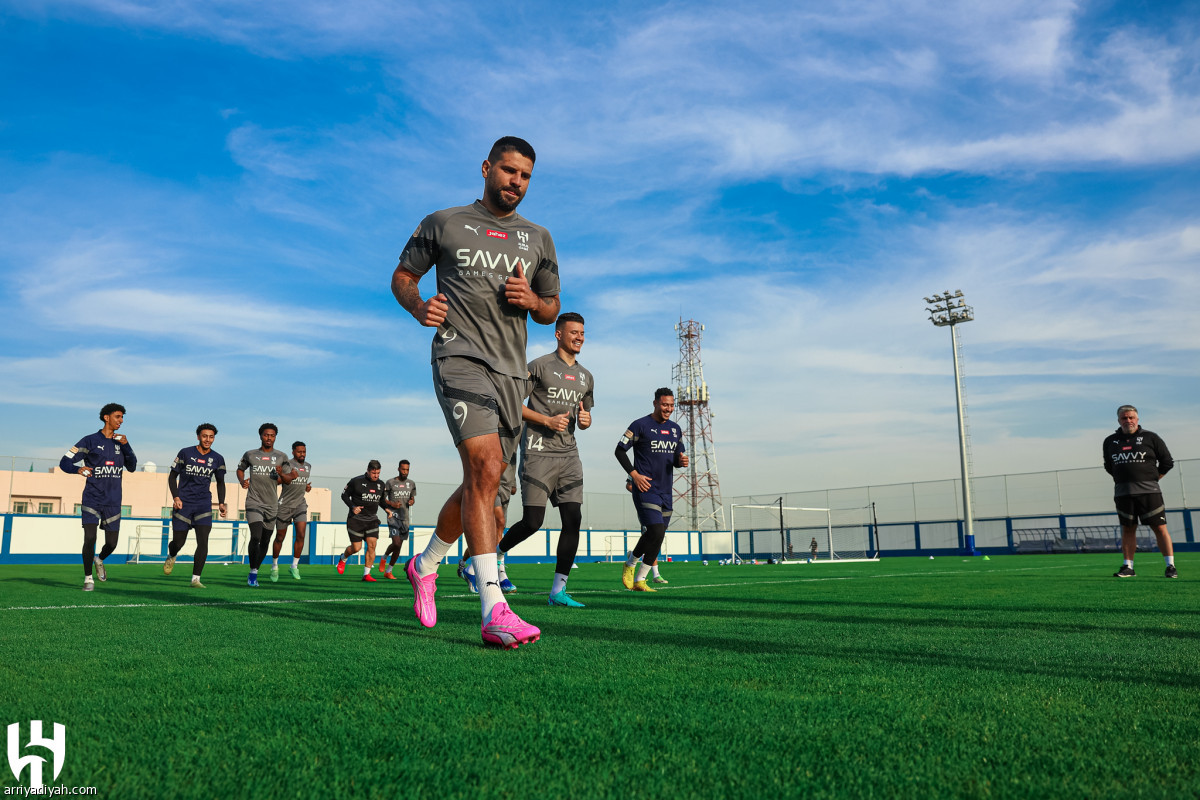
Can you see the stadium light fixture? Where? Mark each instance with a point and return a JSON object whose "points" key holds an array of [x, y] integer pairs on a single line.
{"points": [[950, 309]]}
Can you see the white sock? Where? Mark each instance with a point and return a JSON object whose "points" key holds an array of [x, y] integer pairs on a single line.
{"points": [[96, 560], [275, 562], [487, 579], [367, 570], [1170, 560], [296, 561], [643, 571], [654, 570], [88, 579], [431, 556], [501, 571], [629, 562], [195, 579], [1129, 563], [560, 583]]}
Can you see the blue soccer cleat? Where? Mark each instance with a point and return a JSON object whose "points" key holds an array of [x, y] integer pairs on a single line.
{"points": [[561, 598], [507, 587], [465, 573], [252, 580]]}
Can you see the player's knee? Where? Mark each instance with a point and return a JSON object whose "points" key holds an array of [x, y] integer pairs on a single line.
{"points": [[534, 516], [572, 515], [483, 462]]}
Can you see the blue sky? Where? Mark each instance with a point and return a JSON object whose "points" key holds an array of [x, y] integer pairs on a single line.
{"points": [[201, 204]]}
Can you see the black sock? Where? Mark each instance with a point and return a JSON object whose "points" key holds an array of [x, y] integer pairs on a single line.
{"points": [[89, 547], [568, 539]]}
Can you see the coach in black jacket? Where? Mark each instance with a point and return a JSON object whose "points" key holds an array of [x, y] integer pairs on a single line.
{"points": [[1137, 458]]}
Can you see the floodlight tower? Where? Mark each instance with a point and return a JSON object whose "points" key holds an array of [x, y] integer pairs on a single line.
{"points": [[696, 487], [949, 310]]}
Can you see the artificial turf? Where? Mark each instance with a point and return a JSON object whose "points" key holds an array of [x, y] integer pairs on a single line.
{"points": [[1022, 676]]}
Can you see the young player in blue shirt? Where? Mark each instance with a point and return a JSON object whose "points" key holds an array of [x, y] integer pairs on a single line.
{"points": [[100, 457]]}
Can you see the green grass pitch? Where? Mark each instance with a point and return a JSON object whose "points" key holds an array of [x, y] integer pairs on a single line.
{"points": [[1022, 676]]}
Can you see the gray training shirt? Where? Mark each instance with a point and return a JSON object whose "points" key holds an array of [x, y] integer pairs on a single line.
{"points": [[557, 389], [475, 252], [264, 480], [399, 491], [292, 496]]}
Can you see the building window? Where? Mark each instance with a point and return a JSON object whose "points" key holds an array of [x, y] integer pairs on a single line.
{"points": [[79, 510], [45, 508], [20, 507], [242, 517], [315, 516], [127, 511], [168, 512]]}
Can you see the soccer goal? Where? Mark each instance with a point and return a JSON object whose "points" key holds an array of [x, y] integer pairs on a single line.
{"points": [[146, 545], [794, 535]]}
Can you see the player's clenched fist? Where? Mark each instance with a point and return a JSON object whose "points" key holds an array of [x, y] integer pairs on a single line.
{"points": [[432, 312], [518, 292]]}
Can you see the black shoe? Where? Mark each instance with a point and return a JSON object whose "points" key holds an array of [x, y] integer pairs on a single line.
{"points": [[1171, 572], [1124, 572]]}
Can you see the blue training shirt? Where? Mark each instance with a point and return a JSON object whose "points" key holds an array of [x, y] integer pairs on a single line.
{"points": [[107, 458], [196, 471], [655, 446]]}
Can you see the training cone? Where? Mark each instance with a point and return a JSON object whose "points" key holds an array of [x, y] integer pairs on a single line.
{"points": [[985, 558]]}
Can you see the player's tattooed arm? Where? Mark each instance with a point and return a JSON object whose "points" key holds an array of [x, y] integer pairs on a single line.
{"points": [[431, 313]]}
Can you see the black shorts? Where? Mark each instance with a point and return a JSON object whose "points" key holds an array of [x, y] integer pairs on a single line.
{"points": [[358, 536], [1149, 508]]}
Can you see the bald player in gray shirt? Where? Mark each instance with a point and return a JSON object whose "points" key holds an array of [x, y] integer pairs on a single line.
{"points": [[495, 269]]}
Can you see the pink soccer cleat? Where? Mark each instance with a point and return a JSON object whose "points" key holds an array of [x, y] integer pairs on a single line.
{"points": [[505, 629], [423, 589]]}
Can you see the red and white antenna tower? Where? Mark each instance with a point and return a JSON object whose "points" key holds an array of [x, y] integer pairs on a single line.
{"points": [[697, 490]]}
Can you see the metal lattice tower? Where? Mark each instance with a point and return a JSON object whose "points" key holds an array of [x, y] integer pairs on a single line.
{"points": [[697, 490]]}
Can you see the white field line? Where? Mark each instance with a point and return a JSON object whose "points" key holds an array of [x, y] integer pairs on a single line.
{"points": [[408, 597]]}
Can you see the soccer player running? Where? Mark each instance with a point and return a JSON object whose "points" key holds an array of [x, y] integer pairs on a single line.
{"points": [[658, 447], [1137, 459], [561, 401], [194, 469], [295, 476], [362, 496], [494, 270], [399, 495], [265, 466], [100, 458]]}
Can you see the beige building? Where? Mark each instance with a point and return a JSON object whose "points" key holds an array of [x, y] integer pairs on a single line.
{"points": [[143, 494]]}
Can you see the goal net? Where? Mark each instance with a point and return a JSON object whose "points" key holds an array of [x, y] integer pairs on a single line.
{"points": [[794, 535]]}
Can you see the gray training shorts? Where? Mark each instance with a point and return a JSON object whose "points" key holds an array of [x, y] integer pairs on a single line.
{"points": [[477, 400], [558, 479], [263, 515]]}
